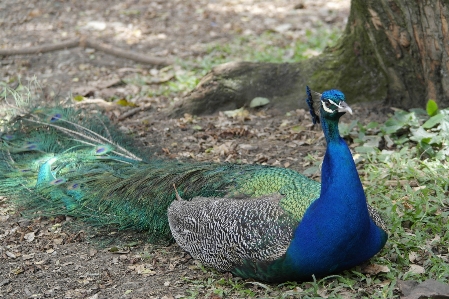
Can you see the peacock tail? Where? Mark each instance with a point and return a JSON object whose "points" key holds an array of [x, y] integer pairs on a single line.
{"points": [[66, 161]]}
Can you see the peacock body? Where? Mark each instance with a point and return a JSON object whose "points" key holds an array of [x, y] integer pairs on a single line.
{"points": [[261, 238], [256, 221]]}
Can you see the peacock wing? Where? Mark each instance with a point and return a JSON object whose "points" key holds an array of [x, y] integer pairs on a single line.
{"points": [[226, 233], [377, 218]]}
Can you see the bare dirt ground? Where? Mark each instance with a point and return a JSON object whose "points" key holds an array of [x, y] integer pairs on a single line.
{"points": [[61, 257], [172, 29]]}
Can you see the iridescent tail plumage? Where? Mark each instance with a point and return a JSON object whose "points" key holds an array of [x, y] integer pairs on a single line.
{"points": [[62, 160]]}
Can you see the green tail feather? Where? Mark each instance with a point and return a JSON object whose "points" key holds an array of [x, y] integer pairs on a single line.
{"points": [[63, 161]]}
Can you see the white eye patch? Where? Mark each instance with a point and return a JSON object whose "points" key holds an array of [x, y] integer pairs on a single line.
{"points": [[332, 102], [326, 108]]}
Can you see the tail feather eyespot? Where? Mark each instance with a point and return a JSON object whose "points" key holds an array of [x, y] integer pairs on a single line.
{"points": [[8, 137], [74, 186], [58, 181], [102, 149], [54, 118]]}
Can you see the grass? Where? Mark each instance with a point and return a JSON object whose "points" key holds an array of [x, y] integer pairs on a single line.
{"points": [[270, 47]]}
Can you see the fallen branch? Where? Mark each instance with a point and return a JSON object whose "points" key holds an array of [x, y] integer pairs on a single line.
{"points": [[127, 54], [72, 43], [85, 42], [134, 111]]}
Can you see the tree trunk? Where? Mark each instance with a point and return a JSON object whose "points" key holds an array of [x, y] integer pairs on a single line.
{"points": [[411, 40], [394, 51]]}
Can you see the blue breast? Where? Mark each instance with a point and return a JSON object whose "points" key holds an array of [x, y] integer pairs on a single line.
{"points": [[336, 232]]}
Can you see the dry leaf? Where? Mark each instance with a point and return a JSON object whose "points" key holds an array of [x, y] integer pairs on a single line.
{"points": [[29, 237], [92, 252], [95, 296], [17, 271], [436, 239], [143, 269], [248, 147], [4, 218], [241, 113], [27, 256], [224, 149], [419, 188], [395, 183], [416, 269], [412, 256], [58, 241], [258, 102], [374, 269]]}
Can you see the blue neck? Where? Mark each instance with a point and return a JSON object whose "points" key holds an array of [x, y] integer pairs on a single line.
{"points": [[340, 181], [330, 129], [336, 232]]}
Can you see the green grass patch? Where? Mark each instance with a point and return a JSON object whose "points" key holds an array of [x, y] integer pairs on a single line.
{"points": [[270, 47]]}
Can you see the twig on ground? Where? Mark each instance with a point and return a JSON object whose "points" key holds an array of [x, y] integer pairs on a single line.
{"points": [[86, 42]]}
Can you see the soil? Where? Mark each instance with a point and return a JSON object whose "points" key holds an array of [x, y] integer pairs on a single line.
{"points": [[65, 258]]}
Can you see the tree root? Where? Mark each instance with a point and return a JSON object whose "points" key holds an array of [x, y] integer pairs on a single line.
{"points": [[235, 84], [90, 43]]}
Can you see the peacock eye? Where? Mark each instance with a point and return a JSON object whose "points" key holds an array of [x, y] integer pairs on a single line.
{"points": [[325, 103]]}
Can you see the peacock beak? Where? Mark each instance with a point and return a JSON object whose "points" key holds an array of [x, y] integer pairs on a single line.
{"points": [[343, 107]]}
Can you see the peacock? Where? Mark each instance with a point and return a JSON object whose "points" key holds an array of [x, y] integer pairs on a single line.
{"points": [[262, 222]]}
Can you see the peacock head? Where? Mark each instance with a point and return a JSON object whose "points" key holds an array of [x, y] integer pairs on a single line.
{"points": [[332, 105]]}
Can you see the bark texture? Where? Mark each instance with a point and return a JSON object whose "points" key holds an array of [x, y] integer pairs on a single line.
{"points": [[395, 51], [411, 39]]}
